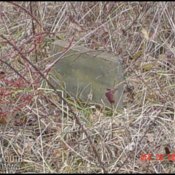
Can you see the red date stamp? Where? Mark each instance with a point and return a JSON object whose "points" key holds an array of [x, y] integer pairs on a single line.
{"points": [[148, 157]]}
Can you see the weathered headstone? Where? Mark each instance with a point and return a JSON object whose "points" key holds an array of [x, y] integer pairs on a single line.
{"points": [[86, 74]]}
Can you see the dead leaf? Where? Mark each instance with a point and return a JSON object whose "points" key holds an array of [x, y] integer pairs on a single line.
{"points": [[147, 67], [3, 119], [110, 95], [130, 147], [2, 74], [145, 33], [150, 137], [75, 25]]}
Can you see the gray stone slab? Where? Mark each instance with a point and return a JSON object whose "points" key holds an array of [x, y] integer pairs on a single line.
{"points": [[86, 74]]}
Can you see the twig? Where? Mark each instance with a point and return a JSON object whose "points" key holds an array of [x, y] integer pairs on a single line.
{"points": [[54, 62], [34, 32], [26, 12], [15, 71]]}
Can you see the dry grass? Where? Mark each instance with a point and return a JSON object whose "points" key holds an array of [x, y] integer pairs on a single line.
{"points": [[43, 133]]}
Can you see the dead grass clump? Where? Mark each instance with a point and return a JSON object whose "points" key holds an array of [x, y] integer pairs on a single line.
{"points": [[49, 137]]}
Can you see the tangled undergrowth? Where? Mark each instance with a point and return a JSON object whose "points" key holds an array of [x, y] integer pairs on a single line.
{"points": [[37, 126]]}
